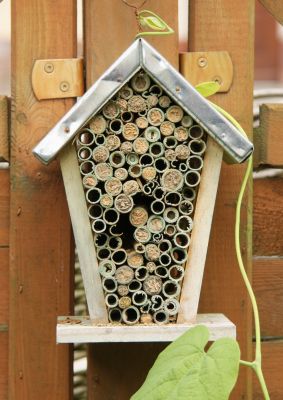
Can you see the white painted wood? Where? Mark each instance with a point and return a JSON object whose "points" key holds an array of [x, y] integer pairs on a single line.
{"points": [[83, 234], [200, 234], [83, 330]]}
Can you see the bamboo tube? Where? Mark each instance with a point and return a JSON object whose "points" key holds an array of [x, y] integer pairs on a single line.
{"points": [[113, 186], [124, 275], [146, 160], [165, 246], [181, 133], [100, 154], [170, 155], [134, 286], [140, 82], [159, 193], [115, 315], [126, 116], [167, 128], [98, 124], [95, 211], [174, 114], [86, 137], [93, 195], [132, 158], [170, 230], [186, 207], [171, 288], [84, 153], [109, 284], [172, 180], [106, 200], [155, 224], [140, 145], [122, 104], [131, 315], [183, 167], [156, 302], [156, 89], [161, 164], [157, 237], [125, 302], [119, 257], [89, 181], [145, 94], [115, 230], [101, 239], [156, 149], [170, 142], [155, 116], [182, 152], [138, 216], [164, 101], [134, 259], [182, 240], [192, 178], [139, 298], [176, 273], [111, 300], [103, 171], [172, 199], [161, 271], [152, 101], [184, 224], [131, 187], [136, 104], [103, 253], [152, 252], [126, 92], [142, 234], [188, 193], [116, 126], [179, 255], [117, 159], [152, 134], [165, 259], [126, 147], [195, 162], [86, 167], [142, 122], [115, 242], [152, 285], [148, 173], [172, 306], [121, 174], [187, 121], [111, 110], [112, 142], [107, 268], [99, 140], [146, 318], [151, 267], [135, 171], [139, 248], [122, 290], [141, 273], [197, 146], [157, 207], [196, 132], [161, 317], [171, 214]]}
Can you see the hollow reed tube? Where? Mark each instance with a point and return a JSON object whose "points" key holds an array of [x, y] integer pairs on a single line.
{"points": [[141, 273], [115, 315], [107, 268], [111, 216], [161, 271], [109, 284], [170, 142], [196, 132], [126, 116], [139, 298], [186, 207], [146, 160], [116, 126], [197, 146], [101, 239], [176, 273], [98, 225], [192, 178], [84, 153], [156, 149], [185, 223], [171, 288], [171, 214], [165, 246], [171, 306], [157, 207], [121, 174], [86, 167], [172, 199], [111, 300], [170, 230], [187, 121], [179, 255], [134, 285], [103, 253], [155, 224], [119, 257], [99, 140], [135, 171], [165, 259], [158, 193], [152, 134], [86, 137], [182, 240], [157, 237], [123, 203], [117, 159], [115, 230], [115, 242], [132, 158], [156, 302], [161, 164], [161, 317], [195, 162], [183, 167], [139, 248], [188, 193], [95, 211], [131, 315]]}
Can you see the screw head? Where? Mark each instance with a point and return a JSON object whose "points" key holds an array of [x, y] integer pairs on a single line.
{"points": [[217, 79], [49, 67], [64, 86], [66, 129], [202, 62]]}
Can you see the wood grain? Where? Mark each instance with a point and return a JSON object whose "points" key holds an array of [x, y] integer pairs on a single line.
{"points": [[268, 217], [4, 128], [110, 27], [268, 136], [4, 207], [4, 316], [268, 287], [216, 26], [275, 8], [40, 235]]}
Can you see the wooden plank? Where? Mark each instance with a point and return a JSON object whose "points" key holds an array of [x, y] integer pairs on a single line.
{"points": [[101, 50], [272, 354], [268, 137], [4, 207], [40, 236], [268, 287], [4, 285], [217, 25], [82, 330], [200, 235], [83, 235], [4, 128], [268, 217], [275, 8]]}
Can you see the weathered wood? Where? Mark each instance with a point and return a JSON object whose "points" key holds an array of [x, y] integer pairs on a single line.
{"points": [[268, 217], [205, 66], [4, 207], [272, 353], [216, 26], [40, 235], [268, 287], [82, 330], [101, 50], [83, 234], [200, 235], [4, 285], [268, 136], [275, 8], [4, 128], [57, 79]]}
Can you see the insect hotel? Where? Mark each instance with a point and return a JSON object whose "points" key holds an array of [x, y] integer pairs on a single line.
{"points": [[140, 155]]}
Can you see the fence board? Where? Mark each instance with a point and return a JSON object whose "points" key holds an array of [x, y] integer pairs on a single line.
{"points": [[4, 207], [4, 284], [101, 49], [217, 26], [268, 217], [40, 234]]}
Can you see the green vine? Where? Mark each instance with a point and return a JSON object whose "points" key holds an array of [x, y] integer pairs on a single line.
{"points": [[148, 19]]}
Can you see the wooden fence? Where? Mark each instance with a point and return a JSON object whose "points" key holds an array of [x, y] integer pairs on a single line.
{"points": [[36, 246]]}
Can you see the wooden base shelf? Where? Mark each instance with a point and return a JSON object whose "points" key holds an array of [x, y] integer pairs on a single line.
{"points": [[82, 330]]}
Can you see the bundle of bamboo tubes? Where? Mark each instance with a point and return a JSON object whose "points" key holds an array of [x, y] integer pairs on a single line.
{"points": [[141, 158]]}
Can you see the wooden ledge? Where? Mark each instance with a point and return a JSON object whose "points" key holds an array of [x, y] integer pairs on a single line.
{"points": [[82, 330]]}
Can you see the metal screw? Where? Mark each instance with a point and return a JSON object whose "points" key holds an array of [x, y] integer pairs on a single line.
{"points": [[217, 79], [66, 129], [49, 67], [202, 62], [178, 89], [64, 86]]}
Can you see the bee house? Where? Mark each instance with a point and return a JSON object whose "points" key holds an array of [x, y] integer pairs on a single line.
{"points": [[140, 155]]}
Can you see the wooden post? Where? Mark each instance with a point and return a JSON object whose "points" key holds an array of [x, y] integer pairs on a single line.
{"points": [[110, 27], [40, 235], [216, 26]]}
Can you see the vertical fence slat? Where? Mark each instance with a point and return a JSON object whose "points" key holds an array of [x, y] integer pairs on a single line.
{"points": [[40, 235], [117, 370], [225, 25]]}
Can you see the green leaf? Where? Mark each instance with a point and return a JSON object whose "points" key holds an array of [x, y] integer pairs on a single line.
{"points": [[207, 89], [184, 371], [152, 22]]}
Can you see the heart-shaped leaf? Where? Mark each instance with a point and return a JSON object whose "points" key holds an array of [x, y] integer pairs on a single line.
{"points": [[207, 89], [153, 23], [158, 26], [184, 371]]}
